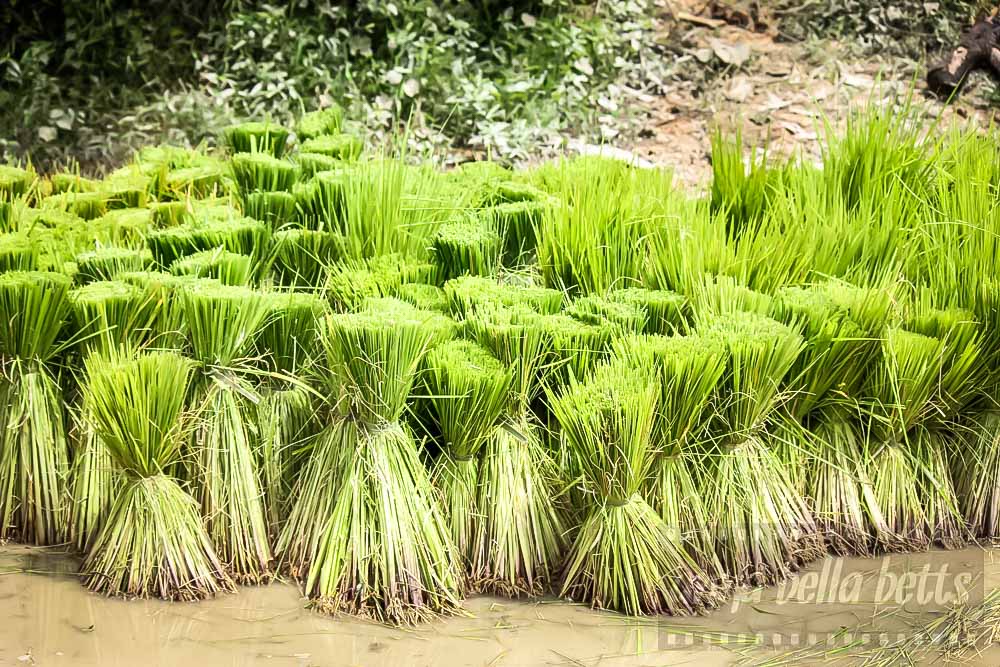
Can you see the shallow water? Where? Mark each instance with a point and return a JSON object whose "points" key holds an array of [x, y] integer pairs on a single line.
{"points": [[51, 620]]}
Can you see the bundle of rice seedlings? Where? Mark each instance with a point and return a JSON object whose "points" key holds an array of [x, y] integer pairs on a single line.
{"points": [[275, 208], [289, 345], [243, 236], [302, 257], [624, 556], [222, 323], [72, 182], [320, 122], [523, 522], [14, 181], [468, 294], [107, 263], [18, 252], [34, 460], [964, 361], [821, 443], [425, 297], [256, 137], [340, 146], [687, 371], [320, 200], [666, 311], [86, 205], [313, 163], [466, 247], [593, 238], [515, 222], [169, 213], [229, 268], [108, 315], [366, 534], [763, 528], [153, 542], [260, 172], [721, 295], [977, 475], [575, 347], [126, 227], [624, 316], [467, 389], [199, 182], [910, 485], [168, 328]]}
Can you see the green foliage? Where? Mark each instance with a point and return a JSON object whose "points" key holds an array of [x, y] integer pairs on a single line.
{"points": [[254, 137]]}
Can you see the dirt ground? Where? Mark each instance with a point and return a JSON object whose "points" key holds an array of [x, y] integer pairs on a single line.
{"points": [[781, 94]]}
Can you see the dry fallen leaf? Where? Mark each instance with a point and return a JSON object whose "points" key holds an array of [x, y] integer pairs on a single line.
{"points": [[739, 89], [731, 54]]}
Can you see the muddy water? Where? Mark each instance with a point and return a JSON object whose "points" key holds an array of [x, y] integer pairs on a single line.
{"points": [[47, 618]]}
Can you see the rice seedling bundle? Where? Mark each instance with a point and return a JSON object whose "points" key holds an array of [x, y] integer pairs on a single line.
{"points": [[86, 205], [108, 316], [424, 297], [168, 327], [222, 324], [911, 479], [521, 514], [340, 146], [466, 247], [624, 556], [687, 371], [229, 268], [626, 317], [312, 164], [723, 295], [321, 200], [289, 345], [366, 534], [14, 182], [303, 257], [18, 252], [243, 236], [108, 263], [277, 209], [34, 458], [575, 347], [820, 433], [666, 312], [320, 122], [349, 284], [515, 222], [260, 172], [153, 542], [467, 389], [198, 182], [468, 294], [126, 227], [592, 238], [763, 528], [255, 137], [70, 182]]}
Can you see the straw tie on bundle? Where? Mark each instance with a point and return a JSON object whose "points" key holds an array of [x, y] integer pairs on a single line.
{"points": [[763, 528], [365, 534], [624, 556], [34, 458], [223, 322], [153, 542]]}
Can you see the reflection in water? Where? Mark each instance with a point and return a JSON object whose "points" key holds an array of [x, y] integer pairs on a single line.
{"points": [[50, 619]]}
